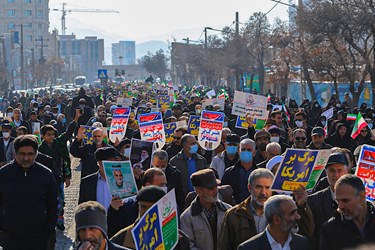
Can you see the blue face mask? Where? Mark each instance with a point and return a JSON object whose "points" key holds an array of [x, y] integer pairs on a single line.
{"points": [[63, 121], [246, 156], [231, 150], [225, 125], [193, 149]]}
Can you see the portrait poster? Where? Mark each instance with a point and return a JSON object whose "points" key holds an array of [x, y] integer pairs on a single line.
{"points": [[140, 153], [120, 178]]}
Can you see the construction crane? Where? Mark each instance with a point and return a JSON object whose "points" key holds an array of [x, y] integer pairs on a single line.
{"points": [[66, 11]]}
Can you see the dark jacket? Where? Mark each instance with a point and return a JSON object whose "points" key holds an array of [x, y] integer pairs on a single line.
{"points": [[312, 146], [75, 103], [122, 218], [180, 162], [340, 233], [260, 242], [87, 188], [342, 142], [174, 181], [323, 208], [172, 150], [110, 245], [60, 151], [4, 149], [86, 153], [232, 177], [28, 205]]}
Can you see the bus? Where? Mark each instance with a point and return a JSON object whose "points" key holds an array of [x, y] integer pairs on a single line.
{"points": [[80, 80]]}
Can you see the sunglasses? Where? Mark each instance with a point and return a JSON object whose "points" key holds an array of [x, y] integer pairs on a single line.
{"points": [[176, 137], [299, 120], [300, 138]]}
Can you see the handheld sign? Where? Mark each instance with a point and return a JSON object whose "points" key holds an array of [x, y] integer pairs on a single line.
{"points": [[152, 129], [366, 170], [220, 101], [125, 102], [119, 124], [211, 125], [158, 227], [169, 129], [163, 102], [300, 167], [142, 110], [120, 178], [193, 125], [254, 105], [87, 134]]}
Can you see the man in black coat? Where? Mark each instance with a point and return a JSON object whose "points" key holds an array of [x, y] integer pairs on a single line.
{"points": [[355, 223], [86, 151], [28, 199], [92, 183], [282, 217], [82, 94]]}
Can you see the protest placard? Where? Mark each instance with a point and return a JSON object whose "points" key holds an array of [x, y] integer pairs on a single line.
{"points": [[169, 129], [119, 124], [193, 125], [87, 134], [140, 153], [120, 178], [300, 167], [162, 92], [125, 102], [220, 101], [366, 170], [141, 111], [152, 129], [163, 102], [211, 125], [245, 103], [158, 227], [242, 124]]}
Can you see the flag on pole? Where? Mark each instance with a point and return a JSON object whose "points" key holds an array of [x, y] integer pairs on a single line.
{"points": [[286, 113], [359, 124], [351, 117]]}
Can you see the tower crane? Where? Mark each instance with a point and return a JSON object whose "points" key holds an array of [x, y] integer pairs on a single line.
{"points": [[65, 11]]}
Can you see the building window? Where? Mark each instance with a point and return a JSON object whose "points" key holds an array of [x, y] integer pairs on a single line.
{"points": [[39, 26], [11, 1], [11, 12], [27, 1], [40, 1], [28, 13], [11, 26], [29, 38], [29, 25], [39, 13]]}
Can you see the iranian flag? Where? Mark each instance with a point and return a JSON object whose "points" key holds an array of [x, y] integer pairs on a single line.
{"points": [[359, 124], [351, 117]]}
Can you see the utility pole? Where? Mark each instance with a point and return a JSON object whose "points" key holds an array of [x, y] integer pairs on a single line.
{"points": [[237, 70], [23, 83], [237, 23], [33, 66], [42, 60]]}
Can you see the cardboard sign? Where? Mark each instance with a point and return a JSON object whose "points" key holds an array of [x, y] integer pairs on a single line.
{"points": [[158, 227], [140, 154], [193, 125], [300, 167], [254, 105], [211, 126], [120, 178], [119, 124], [242, 124], [125, 102], [87, 134], [366, 170], [220, 101], [141, 111], [152, 129], [162, 92], [169, 129], [164, 102]]}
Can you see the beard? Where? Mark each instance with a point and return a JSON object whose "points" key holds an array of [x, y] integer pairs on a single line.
{"points": [[291, 228], [210, 199]]}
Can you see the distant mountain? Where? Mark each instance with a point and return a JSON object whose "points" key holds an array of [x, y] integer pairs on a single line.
{"points": [[141, 49]]}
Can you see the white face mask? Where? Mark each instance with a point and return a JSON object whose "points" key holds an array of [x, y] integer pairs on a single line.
{"points": [[324, 123], [299, 124], [126, 152], [10, 114], [6, 134], [275, 139]]}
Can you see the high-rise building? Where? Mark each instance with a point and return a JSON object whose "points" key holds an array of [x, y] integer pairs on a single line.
{"points": [[31, 14], [123, 53], [82, 56]]}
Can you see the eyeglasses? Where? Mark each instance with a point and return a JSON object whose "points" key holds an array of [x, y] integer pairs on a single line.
{"points": [[176, 137], [300, 138], [299, 120]]}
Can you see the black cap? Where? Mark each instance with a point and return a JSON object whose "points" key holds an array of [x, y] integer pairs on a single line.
{"points": [[233, 138], [176, 106], [337, 158], [102, 154], [317, 131], [150, 194], [204, 178]]}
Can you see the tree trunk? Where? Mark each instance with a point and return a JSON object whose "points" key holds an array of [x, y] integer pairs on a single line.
{"points": [[309, 82]]}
